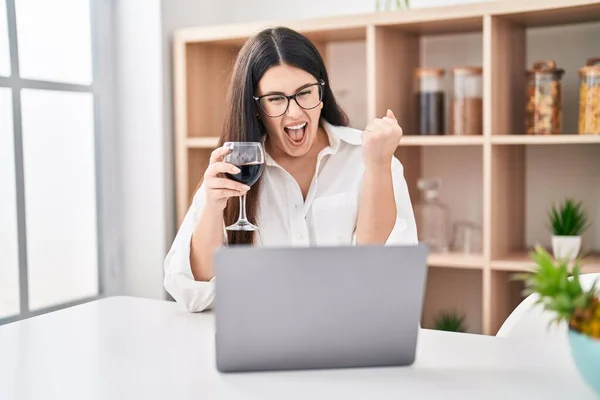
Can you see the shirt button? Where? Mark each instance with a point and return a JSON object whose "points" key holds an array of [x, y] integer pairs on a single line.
{"points": [[299, 236]]}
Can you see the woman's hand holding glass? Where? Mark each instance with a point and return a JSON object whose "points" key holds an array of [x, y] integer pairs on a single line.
{"points": [[250, 158], [218, 187]]}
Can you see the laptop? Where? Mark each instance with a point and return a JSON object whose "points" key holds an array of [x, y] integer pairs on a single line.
{"points": [[317, 307]]}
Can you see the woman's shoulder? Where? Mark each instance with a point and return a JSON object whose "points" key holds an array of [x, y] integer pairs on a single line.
{"points": [[346, 134]]}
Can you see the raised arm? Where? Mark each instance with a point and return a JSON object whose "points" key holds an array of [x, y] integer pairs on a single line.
{"points": [[385, 215]]}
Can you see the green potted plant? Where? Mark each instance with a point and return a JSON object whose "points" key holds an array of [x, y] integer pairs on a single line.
{"points": [[568, 221], [450, 321], [561, 293]]}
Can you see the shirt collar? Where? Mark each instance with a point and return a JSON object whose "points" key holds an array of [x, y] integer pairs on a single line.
{"points": [[335, 134]]}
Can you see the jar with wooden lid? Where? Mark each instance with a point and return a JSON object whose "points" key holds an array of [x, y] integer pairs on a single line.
{"points": [[589, 98], [544, 99], [429, 101], [467, 102]]}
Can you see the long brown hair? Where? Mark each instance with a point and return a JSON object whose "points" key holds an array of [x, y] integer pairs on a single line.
{"points": [[266, 49]]}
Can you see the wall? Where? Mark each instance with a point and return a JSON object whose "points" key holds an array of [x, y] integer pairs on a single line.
{"points": [[179, 14], [144, 122], [268, 10], [141, 144]]}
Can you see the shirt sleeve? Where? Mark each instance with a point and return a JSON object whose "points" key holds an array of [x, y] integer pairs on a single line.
{"points": [[404, 231], [179, 282], [405, 228]]}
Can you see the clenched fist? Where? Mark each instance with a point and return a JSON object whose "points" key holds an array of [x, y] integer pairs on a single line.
{"points": [[380, 140]]}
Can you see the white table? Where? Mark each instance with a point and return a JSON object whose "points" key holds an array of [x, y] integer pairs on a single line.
{"points": [[129, 348]]}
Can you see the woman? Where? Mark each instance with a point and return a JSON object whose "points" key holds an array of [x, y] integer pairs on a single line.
{"points": [[323, 184]]}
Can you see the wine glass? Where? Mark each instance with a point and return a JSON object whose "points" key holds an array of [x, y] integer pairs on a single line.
{"points": [[249, 157]]}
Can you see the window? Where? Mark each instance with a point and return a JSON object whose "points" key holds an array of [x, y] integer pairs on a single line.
{"points": [[4, 47], [60, 196], [49, 231], [54, 40], [9, 259]]}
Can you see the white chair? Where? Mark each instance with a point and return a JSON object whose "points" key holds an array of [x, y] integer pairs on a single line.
{"points": [[530, 321]]}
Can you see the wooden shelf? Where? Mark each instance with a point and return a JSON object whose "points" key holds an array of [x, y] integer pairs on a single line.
{"points": [[202, 143], [413, 140], [456, 260], [429, 20], [322, 29], [544, 140], [482, 174], [211, 142], [520, 261]]}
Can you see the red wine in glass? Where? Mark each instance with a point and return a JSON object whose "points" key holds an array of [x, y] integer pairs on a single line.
{"points": [[249, 173]]}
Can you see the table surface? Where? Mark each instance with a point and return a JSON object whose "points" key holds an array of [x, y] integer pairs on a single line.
{"points": [[131, 348]]}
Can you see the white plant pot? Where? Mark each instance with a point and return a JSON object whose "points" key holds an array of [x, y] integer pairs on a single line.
{"points": [[566, 247]]}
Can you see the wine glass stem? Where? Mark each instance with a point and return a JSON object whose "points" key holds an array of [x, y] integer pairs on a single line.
{"points": [[242, 217]]}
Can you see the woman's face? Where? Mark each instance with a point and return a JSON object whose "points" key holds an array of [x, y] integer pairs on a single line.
{"points": [[294, 132]]}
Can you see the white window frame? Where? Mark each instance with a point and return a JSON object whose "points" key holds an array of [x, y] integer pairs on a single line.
{"points": [[105, 139]]}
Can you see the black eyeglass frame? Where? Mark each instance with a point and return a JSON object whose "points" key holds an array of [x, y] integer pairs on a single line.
{"points": [[321, 83]]}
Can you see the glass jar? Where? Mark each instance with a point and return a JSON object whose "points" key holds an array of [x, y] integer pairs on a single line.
{"points": [[432, 217], [467, 104], [429, 100], [589, 98], [544, 99], [467, 238]]}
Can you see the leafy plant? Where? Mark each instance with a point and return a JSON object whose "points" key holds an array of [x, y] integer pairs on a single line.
{"points": [[562, 295], [450, 321], [568, 219]]}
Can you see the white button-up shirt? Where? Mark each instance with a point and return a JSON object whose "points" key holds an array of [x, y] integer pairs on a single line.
{"points": [[327, 217]]}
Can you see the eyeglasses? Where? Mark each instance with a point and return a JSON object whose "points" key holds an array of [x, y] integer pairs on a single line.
{"points": [[308, 97]]}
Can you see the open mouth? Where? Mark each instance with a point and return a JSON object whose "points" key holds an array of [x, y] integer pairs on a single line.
{"points": [[296, 133]]}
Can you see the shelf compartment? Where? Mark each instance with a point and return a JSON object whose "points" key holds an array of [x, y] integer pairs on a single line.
{"points": [[208, 69], [450, 289], [512, 47], [519, 211], [394, 53], [455, 166]]}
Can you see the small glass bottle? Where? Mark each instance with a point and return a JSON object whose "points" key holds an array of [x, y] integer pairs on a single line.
{"points": [[429, 101], [589, 98], [544, 99], [432, 217], [467, 104]]}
